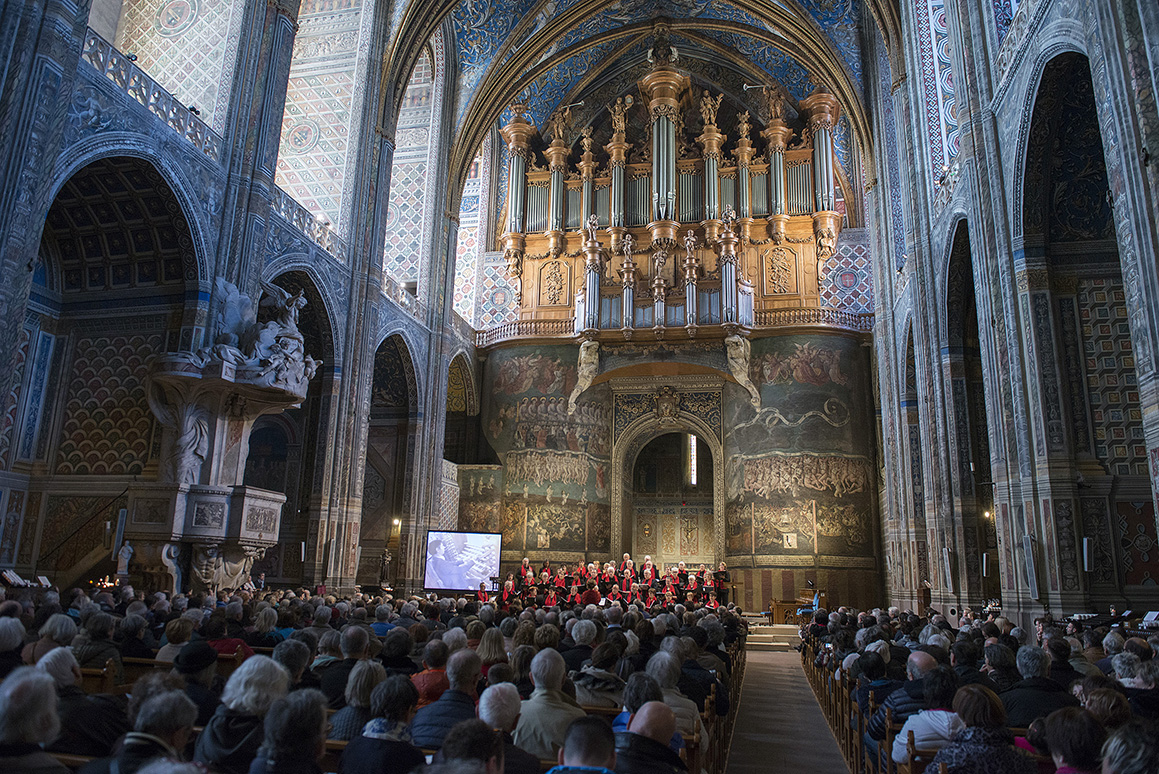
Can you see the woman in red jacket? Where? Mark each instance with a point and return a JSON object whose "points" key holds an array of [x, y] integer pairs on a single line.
{"points": [[483, 596]]}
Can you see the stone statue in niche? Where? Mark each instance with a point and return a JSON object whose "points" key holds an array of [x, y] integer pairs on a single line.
{"points": [[739, 352], [587, 368], [123, 558], [709, 105]]}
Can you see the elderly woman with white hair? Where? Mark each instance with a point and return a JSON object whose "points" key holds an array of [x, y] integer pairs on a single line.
{"points": [[11, 642], [28, 720], [89, 724], [233, 735], [57, 632], [664, 668]]}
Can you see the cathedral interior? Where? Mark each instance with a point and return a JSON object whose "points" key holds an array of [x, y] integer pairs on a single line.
{"points": [[853, 294]]}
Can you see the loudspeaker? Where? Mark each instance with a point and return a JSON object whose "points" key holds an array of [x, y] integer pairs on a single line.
{"points": [[985, 565], [1031, 570], [1088, 554], [948, 569]]}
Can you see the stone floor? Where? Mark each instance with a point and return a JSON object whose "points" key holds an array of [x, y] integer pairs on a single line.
{"points": [[779, 727]]}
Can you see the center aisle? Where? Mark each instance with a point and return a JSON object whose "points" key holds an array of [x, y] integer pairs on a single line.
{"points": [[780, 727]]}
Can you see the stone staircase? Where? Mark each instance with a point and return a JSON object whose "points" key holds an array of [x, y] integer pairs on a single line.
{"points": [[778, 638]]}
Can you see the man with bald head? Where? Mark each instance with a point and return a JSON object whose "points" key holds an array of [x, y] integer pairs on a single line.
{"points": [[907, 700], [643, 748]]}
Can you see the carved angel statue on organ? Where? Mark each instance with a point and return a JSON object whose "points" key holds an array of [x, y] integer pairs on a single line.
{"points": [[586, 142], [627, 241], [593, 227], [743, 126], [728, 217], [690, 244], [708, 107], [659, 261], [559, 122], [775, 101], [619, 112]]}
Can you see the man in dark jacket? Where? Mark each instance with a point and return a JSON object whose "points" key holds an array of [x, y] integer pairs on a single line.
{"points": [[1036, 695], [964, 660], [354, 644], [905, 701], [643, 748], [1061, 670], [457, 703], [583, 632], [164, 724], [197, 663]]}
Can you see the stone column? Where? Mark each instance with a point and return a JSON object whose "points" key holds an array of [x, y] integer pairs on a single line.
{"points": [[40, 45]]}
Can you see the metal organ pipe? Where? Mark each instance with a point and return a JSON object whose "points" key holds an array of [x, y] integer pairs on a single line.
{"points": [[516, 190]]}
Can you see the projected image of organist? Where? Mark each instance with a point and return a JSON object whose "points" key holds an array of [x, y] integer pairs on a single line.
{"points": [[442, 572]]}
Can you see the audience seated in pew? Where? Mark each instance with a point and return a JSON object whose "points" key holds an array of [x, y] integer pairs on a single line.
{"points": [[384, 745], [457, 703], [231, 738], [89, 725], [432, 681], [589, 747], [347, 723], [293, 735], [500, 707], [197, 664], [643, 748], [162, 730], [474, 741], [28, 720], [546, 715]]}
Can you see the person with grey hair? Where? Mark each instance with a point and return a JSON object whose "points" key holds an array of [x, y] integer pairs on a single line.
{"points": [[57, 632], [162, 730], [97, 648], [499, 707], [89, 724], [233, 735], [546, 715], [664, 668], [294, 655], [432, 722], [355, 644], [321, 619], [1125, 669], [456, 639], [1113, 644], [294, 737], [1036, 695], [1132, 749], [133, 629], [583, 633], [347, 722], [382, 623], [28, 720]]}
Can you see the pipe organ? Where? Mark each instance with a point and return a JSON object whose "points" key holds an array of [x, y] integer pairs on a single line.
{"points": [[674, 224]]}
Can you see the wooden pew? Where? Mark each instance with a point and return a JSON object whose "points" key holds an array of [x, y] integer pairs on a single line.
{"points": [[227, 664], [918, 760], [72, 762], [135, 668], [100, 680], [332, 758]]}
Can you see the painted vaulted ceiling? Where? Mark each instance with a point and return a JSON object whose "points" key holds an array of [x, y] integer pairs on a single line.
{"points": [[554, 52]]}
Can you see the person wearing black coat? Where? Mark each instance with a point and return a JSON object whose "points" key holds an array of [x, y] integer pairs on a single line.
{"points": [[88, 724], [230, 740], [384, 746], [457, 703], [1036, 695]]}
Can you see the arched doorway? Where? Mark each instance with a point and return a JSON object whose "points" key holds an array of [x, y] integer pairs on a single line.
{"points": [[670, 515], [117, 282], [387, 521], [1086, 415], [973, 482], [669, 416]]}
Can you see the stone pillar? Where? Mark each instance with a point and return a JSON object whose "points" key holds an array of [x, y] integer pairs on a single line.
{"points": [[40, 45]]}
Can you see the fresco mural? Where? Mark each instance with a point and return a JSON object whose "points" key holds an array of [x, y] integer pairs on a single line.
{"points": [[552, 494], [799, 478]]}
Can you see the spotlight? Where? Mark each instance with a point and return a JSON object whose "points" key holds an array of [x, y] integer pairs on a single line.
{"points": [[132, 57], [193, 109]]}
